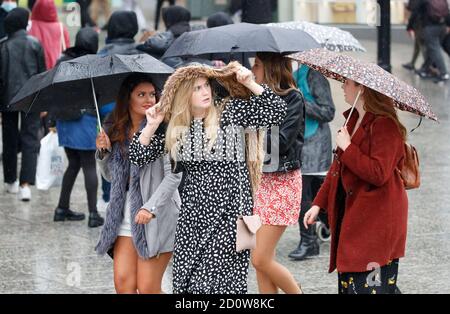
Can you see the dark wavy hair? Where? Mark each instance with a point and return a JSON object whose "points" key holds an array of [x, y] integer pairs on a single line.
{"points": [[120, 119]]}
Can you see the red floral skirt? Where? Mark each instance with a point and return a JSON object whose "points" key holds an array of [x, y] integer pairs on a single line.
{"points": [[278, 198]]}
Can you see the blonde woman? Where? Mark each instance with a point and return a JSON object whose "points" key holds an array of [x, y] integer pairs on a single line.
{"points": [[202, 141]]}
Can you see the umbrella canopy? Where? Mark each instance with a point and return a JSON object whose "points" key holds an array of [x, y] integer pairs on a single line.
{"points": [[241, 37], [341, 67], [71, 83], [331, 38]]}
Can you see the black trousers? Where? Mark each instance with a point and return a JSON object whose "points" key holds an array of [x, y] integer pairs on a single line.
{"points": [[432, 37], [27, 138], [84, 159], [159, 5], [310, 187]]}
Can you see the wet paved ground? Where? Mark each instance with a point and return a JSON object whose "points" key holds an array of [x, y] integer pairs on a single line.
{"points": [[40, 256]]}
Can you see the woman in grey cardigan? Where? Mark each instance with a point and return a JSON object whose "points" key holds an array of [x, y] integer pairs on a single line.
{"points": [[139, 230]]}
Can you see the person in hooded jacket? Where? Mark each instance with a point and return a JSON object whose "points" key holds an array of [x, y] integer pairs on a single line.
{"points": [[26, 54], [176, 19], [122, 27], [51, 33], [77, 131]]}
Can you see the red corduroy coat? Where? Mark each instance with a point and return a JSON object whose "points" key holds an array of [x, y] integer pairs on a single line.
{"points": [[373, 229]]}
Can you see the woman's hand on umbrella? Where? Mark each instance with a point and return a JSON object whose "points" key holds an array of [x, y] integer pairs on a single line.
{"points": [[343, 138], [311, 216], [143, 217], [102, 141]]}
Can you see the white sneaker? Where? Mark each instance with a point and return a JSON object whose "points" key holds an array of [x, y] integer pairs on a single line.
{"points": [[12, 188], [24, 193]]}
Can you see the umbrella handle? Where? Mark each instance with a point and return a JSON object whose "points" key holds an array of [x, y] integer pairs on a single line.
{"points": [[96, 106], [353, 107]]}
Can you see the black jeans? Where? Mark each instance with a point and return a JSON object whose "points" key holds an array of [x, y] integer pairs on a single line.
{"points": [[27, 138], [84, 159], [432, 36]]}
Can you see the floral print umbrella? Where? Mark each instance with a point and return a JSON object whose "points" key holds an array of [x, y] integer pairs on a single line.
{"points": [[341, 67], [331, 38]]}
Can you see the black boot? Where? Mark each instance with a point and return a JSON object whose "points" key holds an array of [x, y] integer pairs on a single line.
{"points": [[62, 214], [95, 220], [308, 244]]}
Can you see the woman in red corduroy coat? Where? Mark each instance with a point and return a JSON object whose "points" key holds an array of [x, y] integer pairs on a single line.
{"points": [[364, 196]]}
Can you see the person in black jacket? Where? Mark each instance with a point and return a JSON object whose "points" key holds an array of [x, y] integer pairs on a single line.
{"points": [[77, 131], [176, 19], [316, 152], [122, 27], [254, 11], [27, 56], [414, 29], [277, 200]]}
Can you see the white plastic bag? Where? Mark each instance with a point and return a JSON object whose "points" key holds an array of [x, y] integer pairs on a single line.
{"points": [[50, 164]]}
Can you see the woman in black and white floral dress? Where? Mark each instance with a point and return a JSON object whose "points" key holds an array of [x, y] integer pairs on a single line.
{"points": [[205, 142]]}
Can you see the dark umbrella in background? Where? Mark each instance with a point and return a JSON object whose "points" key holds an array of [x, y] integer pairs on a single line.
{"points": [[86, 82], [241, 37]]}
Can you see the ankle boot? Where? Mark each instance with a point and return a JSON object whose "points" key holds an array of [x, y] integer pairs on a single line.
{"points": [[62, 214], [95, 220], [308, 245]]}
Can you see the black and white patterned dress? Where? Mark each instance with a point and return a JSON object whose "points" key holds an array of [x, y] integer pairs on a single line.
{"points": [[205, 257]]}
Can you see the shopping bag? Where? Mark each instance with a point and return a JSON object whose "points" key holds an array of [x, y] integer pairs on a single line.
{"points": [[51, 162]]}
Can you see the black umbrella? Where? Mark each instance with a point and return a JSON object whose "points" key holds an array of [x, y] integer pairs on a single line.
{"points": [[241, 37], [86, 82]]}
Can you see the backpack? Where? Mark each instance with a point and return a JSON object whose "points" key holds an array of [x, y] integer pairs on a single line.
{"points": [[438, 10], [410, 172]]}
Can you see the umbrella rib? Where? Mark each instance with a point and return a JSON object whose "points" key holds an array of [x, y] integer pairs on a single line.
{"points": [[32, 103]]}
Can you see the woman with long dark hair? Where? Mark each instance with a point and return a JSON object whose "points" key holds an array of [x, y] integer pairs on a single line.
{"points": [[278, 197], [141, 217]]}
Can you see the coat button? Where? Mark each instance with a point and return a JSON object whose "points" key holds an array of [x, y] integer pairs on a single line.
{"points": [[284, 157], [350, 193]]}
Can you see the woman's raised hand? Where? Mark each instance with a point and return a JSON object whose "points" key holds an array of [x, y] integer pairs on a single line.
{"points": [[154, 116], [245, 77], [102, 141]]}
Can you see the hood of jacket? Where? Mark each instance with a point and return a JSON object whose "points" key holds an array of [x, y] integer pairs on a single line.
{"points": [[16, 20], [45, 11], [225, 77], [176, 19], [219, 19], [122, 24]]}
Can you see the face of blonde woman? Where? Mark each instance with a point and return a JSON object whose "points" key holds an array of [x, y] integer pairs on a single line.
{"points": [[201, 98], [350, 91], [142, 98]]}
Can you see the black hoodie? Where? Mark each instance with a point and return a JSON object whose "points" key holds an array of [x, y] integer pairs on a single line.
{"points": [[122, 27], [86, 42], [16, 20]]}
